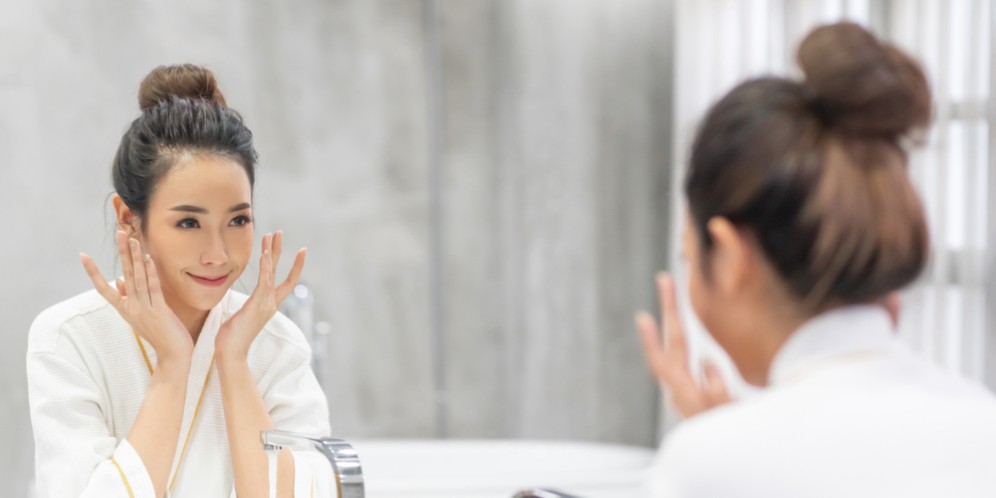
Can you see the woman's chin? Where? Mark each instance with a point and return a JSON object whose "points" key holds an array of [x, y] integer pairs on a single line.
{"points": [[206, 299]]}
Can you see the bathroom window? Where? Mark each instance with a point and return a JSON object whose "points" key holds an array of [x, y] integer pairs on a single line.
{"points": [[945, 312]]}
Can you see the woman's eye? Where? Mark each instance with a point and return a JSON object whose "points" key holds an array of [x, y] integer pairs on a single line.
{"points": [[239, 221], [188, 223]]}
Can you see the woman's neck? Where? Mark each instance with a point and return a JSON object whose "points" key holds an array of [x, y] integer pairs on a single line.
{"points": [[771, 333], [762, 327]]}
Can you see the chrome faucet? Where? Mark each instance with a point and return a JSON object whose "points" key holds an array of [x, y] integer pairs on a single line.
{"points": [[345, 462]]}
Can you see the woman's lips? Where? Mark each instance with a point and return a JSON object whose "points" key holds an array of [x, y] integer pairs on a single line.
{"points": [[209, 281]]}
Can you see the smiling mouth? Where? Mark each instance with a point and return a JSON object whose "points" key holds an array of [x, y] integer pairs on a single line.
{"points": [[209, 281]]}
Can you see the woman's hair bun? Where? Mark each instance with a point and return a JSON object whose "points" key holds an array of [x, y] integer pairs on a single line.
{"points": [[861, 86], [186, 81]]}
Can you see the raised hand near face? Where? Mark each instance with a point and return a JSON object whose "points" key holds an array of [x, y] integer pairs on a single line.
{"points": [[668, 359], [138, 298], [237, 333]]}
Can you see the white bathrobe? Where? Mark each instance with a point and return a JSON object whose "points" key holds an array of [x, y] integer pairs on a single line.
{"points": [[87, 377], [850, 413]]}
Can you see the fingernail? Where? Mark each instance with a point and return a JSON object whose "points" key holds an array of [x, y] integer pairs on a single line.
{"points": [[147, 257], [266, 252]]}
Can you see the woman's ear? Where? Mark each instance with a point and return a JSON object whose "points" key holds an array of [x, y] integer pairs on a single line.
{"points": [[731, 256], [127, 220]]}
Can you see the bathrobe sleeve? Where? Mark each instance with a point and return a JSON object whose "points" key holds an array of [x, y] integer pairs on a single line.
{"points": [[75, 453], [297, 403]]}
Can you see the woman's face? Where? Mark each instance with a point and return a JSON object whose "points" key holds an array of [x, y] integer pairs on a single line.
{"points": [[199, 230]]}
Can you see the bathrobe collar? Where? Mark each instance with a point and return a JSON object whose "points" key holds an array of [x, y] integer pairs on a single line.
{"points": [[841, 335]]}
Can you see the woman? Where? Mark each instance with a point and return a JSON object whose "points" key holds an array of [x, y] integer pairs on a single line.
{"points": [[802, 220], [161, 383]]}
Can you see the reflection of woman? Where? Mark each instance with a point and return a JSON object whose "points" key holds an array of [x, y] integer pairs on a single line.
{"points": [[801, 219], [161, 384]]}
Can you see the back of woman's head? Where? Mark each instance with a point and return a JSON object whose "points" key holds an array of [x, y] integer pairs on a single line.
{"points": [[816, 170], [183, 114]]}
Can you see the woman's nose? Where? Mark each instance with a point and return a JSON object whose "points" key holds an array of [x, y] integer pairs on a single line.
{"points": [[215, 252]]}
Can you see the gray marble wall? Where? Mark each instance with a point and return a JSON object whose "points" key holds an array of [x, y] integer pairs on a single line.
{"points": [[482, 186], [554, 195]]}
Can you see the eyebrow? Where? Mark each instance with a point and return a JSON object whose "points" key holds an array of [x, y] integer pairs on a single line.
{"points": [[186, 208]]}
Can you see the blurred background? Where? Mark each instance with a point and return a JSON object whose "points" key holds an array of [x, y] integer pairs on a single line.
{"points": [[486, 187]]}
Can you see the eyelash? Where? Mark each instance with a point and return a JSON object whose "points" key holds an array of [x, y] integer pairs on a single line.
{"points": [[240, 221], [186, 222], [191, 223]]}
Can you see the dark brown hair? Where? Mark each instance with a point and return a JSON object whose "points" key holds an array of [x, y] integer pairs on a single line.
{"points": [[816, 169], [183, 80], [183, 111]]}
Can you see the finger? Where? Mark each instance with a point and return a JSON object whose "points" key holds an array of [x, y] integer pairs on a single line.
{"points": [[285, 288], [674, 334], [277, 246], [653, 347], [682, 390], [677, 380], [119, 283], [99, 283], [714, 386], [138, 270], [265, 279], [271, 263], [155, 287], [687, 398], [124, 254]]}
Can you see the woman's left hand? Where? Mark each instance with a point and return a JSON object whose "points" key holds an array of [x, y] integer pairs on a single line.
{"points": [[668, 360], [237, 333]]}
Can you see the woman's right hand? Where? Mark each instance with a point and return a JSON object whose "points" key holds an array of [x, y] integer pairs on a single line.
{"points": [[139, 300], [668, 360]]}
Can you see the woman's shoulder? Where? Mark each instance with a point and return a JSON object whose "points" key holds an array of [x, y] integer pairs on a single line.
{"points": [[716, 424], [730, 434], [698, 449], [88, 309]]}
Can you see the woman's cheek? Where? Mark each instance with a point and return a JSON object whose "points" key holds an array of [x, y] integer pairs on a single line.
{"points": [[242, 246]]}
